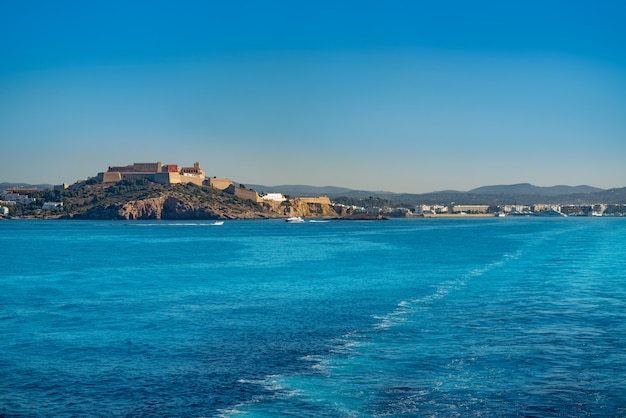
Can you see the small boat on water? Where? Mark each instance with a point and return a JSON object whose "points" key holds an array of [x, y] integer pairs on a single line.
{"points": [[218, 223], [294, 219]]}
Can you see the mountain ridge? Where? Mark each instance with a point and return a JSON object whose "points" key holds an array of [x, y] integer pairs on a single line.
{"points": [[520, 193], [517, 188], [6, 185], [528, 188]]}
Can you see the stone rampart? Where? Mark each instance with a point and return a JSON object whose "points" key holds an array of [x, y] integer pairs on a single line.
{"points": [[244, 193], [165, 178], [221, 184], [323, 200], [109, 177]]}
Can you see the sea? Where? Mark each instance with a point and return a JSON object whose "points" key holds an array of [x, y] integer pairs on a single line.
{"points": [[502, 317]]}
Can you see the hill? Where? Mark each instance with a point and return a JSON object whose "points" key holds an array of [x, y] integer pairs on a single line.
{"points": [[143, 199], [140, 198]]}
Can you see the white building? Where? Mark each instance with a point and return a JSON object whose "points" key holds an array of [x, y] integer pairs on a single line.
{"points": [[18, 198], [52, 205], [4, 211], [420, 209], [470, 208], [275, 197]]}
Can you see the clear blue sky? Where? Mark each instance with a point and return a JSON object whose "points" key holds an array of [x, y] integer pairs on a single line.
{"points": [[405, 96]]}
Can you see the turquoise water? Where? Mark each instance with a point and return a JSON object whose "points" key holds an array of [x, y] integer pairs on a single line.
{"points": [[422, 317]]}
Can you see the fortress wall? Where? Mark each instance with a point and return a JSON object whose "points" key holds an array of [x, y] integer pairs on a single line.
{"points": [[175, 178], [198, 181], [115, 176], [247, 194], [161, 178], [221, 184], [324, 200], [109, 177], [149, 176], [244, 193], [147, 167], [165, 178]]}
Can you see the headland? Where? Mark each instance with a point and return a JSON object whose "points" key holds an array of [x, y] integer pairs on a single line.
{"points": [[171, 191]]}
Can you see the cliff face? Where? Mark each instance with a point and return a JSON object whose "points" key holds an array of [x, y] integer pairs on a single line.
{"points": [[297, 207], [143, 209], [173, 208]]}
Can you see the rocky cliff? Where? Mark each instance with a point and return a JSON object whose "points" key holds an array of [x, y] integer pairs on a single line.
{"points": [[297, 207], [173, 208]]}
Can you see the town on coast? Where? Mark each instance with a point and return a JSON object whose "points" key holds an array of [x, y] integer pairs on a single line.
{"points": [[170, 191]]}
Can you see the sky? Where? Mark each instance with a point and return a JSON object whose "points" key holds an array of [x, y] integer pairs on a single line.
{"points": [[403, 96]]}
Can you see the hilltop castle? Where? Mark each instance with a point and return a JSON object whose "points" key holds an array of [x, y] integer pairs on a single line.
{"points": [[172, 174], [157, 172]]}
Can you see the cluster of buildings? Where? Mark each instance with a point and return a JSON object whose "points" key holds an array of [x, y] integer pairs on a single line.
{"points": [[11, 196], [499, 211], [15, 195], [513, 210], [450, 209]]}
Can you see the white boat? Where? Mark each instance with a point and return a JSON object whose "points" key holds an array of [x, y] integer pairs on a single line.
{"points": [[294, 219], [217, 223]]}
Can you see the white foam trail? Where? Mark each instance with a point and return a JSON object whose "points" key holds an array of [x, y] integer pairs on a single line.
{"points": [[348, 344], [405, 307], [272, 383]]}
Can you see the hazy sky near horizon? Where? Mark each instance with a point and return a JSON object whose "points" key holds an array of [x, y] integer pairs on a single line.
{"points": [[404, 96]]}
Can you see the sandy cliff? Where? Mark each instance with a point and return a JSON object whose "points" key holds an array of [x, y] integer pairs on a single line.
{"points": [[296, 207]]}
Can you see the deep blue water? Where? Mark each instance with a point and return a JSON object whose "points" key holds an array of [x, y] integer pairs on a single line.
{"points": [[423, 317]]}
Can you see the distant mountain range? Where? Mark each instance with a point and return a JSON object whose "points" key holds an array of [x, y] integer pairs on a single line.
{"points": [[6, 185], [523, 193], [302, 190], [528, 189]]}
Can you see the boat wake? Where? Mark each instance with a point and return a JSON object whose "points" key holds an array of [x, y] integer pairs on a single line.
{"points": [[330, 386], [159, 224]]}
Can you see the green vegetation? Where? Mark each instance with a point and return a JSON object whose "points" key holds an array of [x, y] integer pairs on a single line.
{"points": [[615, 210]]}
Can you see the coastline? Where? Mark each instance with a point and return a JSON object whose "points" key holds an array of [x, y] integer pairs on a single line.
{"points": [[457, 215]]}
